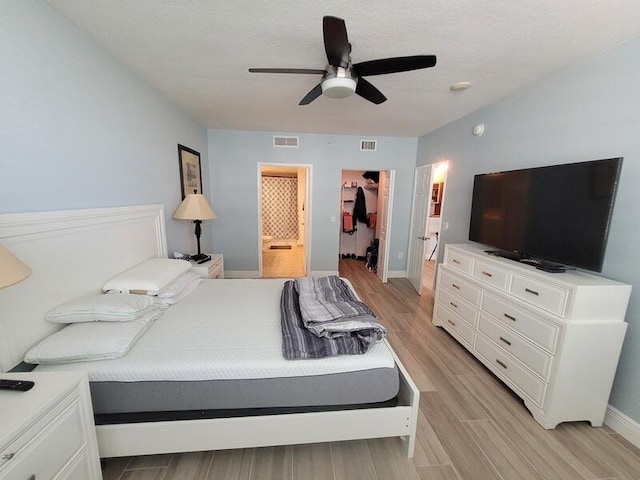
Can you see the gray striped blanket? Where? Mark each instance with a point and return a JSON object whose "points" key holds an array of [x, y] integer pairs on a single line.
{"points": [[339, 325]]}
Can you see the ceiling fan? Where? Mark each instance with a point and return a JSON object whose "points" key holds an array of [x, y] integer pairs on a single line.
{"points": [[341, 78]]}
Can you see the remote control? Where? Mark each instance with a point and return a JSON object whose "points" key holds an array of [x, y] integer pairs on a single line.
{"points": [[20, 385]]}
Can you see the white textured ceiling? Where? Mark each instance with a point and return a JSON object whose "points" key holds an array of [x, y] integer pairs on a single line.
{"points": [[197, 52]]}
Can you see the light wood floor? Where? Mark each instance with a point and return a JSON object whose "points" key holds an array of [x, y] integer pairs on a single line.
{"points": [[428, 276], [471, 427]]}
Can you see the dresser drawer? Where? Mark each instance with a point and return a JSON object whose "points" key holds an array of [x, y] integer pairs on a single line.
{"points": [[460, 287], [458, 305], [79, 469], [551, 298], [536, 359], [458, 260], [491, 275], [510, 370], [542, 333], [455, 325], [46, 454]]}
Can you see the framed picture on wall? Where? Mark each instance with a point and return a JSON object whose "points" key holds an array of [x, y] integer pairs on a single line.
{"points": [[190, 170]]}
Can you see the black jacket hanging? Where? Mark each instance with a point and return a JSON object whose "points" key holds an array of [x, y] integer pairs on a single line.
{"points": [[360, 207]]}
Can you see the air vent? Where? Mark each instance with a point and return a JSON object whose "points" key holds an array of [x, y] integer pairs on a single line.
{"points": [[285, 142], [368, 145]]}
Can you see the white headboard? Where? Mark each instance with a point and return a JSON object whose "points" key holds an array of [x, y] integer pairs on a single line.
{"points": [[71, 253]]}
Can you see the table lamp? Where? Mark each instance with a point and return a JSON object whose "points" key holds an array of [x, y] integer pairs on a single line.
{"points": [[196, 208], [12, 269]]}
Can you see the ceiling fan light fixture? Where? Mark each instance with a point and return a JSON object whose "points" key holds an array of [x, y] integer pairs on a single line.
{"points": [[338, 87]]}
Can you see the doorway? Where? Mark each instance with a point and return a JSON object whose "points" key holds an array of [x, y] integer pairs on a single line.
{"points": [[365, 219], [283, 197], [434, 225], [428, 199]]}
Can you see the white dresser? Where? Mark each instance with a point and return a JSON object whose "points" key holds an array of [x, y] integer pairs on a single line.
{"points": [[553, 338], [48, 432]]}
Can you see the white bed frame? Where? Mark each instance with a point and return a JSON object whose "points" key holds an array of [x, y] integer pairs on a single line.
{"points": [[72, 253]]}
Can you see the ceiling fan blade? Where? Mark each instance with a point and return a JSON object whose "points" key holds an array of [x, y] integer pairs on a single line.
{"points": [[367, 91], [309, 71], [312, 95], [336, 43], [394, 65]]}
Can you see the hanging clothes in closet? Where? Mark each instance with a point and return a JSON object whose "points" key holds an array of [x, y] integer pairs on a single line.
{"points": [[360, 207]]}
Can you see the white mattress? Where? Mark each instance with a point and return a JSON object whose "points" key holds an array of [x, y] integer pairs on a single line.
{"points": [[225, 329]]}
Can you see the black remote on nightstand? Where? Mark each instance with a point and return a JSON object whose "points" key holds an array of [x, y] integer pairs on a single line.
{"points": [[20, 385]]}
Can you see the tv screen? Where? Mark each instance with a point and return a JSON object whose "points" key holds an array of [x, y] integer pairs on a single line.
{"points": [[558, 214]]}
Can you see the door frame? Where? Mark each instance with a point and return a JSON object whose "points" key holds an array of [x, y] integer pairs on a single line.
{"points": [[391, 180], [307, 210], [412, 231]]}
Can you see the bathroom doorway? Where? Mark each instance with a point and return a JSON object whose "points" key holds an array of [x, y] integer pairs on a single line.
{"points": [[424, 237], [283, 197]]}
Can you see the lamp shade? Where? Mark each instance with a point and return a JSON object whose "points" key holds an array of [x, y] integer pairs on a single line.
{"points": [[194, 207], [12, 269]]}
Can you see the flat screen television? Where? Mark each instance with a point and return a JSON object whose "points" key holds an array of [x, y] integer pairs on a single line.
{"points": [[552, 217]]}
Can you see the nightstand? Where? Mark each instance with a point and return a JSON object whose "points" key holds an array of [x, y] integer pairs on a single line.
{"points": [[214, 268], [48, 431]]}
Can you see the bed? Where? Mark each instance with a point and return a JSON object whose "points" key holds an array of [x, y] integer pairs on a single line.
{"points": [[72, 253]]}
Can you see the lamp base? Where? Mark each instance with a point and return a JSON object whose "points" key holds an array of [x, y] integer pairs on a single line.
{"points": [[200, 257]]}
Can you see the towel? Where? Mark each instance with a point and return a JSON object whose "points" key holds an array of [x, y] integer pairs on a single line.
{"points": [[347, 223]]}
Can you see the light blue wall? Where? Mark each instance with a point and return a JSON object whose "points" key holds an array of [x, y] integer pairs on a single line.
{"points": [[589, 112], [233, 160], [78, 130]]}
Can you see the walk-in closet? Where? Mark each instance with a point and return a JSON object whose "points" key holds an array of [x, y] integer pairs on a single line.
{"points": [[359, 212]]}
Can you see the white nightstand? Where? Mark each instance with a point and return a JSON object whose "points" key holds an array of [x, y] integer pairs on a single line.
{"points": [[48, 432], [214, 268]]}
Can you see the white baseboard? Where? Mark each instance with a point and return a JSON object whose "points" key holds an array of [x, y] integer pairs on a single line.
{"points": [[397, 274], [241, 274], [256, 274], [625, 426], [323, 273]]}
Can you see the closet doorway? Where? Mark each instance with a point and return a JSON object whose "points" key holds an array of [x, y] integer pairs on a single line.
{"points": [[365, 220], [284, 220]]}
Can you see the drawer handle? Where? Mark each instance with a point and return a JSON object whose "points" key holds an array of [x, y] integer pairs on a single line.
{"points": [[7, 456], [455, 286], [453, 305], [456, 261], [451, 322], [501, 363], [532, 292], [487, 274], [510, 317], [505, 341]]}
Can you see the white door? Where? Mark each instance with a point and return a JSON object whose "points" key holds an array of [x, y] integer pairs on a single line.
{"points": [[419, 217], [385, 193], [302, 216]]}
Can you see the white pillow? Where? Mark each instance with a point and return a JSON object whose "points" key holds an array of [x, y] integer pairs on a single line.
{"points": [[113, 307], [179, 288], [149, 277], [84, 342]]}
